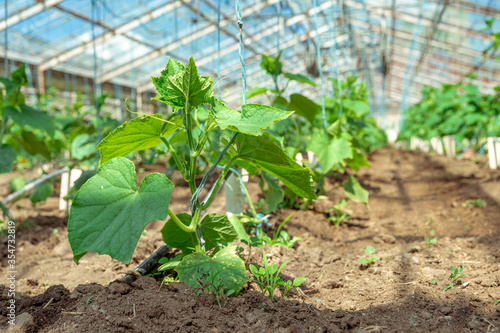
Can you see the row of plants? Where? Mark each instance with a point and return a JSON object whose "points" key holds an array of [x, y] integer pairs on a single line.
{"points": [[201, 136], [458, 110]]}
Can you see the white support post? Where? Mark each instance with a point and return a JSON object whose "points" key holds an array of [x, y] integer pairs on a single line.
{"points": [[437, 145], [449, 146], [235, 198], [75, 174], [494, 152], [392, 135]]}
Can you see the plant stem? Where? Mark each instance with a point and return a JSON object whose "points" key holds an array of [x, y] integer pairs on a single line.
{"points": [[4, 125], [219, 182], [204, 138], [175, 156], [249, 200], [178, 222]]}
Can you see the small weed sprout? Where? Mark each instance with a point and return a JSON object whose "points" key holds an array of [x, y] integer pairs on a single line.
{"points": [[430, 241], [477, 203], [369, 260], [454, 276], [338, 212], [268, 279], [212, 284], [288, 285]]}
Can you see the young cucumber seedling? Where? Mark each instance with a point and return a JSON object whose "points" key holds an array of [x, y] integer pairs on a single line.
{"points": [[369, 260], [109, 212]]}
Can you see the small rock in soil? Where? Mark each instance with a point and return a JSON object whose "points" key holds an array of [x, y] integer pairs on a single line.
{"points": [[389, 239], [446, 310], [122, 288], [24, 324]]}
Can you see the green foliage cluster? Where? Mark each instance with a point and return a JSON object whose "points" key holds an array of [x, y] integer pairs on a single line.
{"points": [[342, 145], [109, 212], [460, 109], [454, 109]]}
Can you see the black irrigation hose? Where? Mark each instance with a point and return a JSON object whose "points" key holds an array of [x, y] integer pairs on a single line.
{"points": [[146, 265]]}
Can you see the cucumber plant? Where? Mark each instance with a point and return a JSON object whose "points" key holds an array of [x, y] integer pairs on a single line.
{"points": [[109, 212], [343, 144]]}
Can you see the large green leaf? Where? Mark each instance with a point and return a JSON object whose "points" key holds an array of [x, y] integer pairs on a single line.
{"points": [[41, 192], [267, 156], [138, 134], [82, 146], [8, 157], [217, 231], [256, 91], [330, 152], [27, 116], [33, 146], [228, 267], [109, 214], [358, 160], [177, 238], [304, 107], [252, 118], [275, 193], [359, 107], [185, 85], [300, 78], [355, 191]]}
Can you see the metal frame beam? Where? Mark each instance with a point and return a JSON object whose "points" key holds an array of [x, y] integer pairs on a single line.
{"points": [[121, 30], [26, 13]]}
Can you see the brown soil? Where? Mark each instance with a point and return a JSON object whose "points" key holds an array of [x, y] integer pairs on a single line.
{"points": [[410, 195]]}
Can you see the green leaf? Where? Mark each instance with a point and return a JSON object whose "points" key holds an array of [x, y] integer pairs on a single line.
{"points": [[363, 261], [177, 238], [270, 158], [298, 281], [256, 91], [184, 85], [357, 161], [354, 190], [369, 250], [304, 107], [41, 192], [360, 108], [82, 146], [275, 193], [33, 146], [217, 231], [300, 78], [8, 157], [27, 116], [109, 214], [239, 228], [170, 264], [271, 64], [252, 118], [17, 183], [229, 267], [330, 153], [138, 134]]}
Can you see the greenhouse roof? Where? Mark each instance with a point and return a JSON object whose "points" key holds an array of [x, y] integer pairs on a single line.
{"points": [[397, 46]]}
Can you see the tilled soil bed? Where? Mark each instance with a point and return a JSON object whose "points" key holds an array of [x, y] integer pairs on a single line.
{"points": [[410, 195]]}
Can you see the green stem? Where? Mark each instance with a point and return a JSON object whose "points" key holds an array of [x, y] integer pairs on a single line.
{"points": [[174, 155], [178, 222], [249, 200], [193, 226], [204, 139], [4, 126], [219, 183]]}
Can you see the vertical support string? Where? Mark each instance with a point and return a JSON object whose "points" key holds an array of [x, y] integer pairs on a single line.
{"points": [[96, 87], [320, 67], [335, 62], [6, 59], [240, 50], [218, 49]]}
